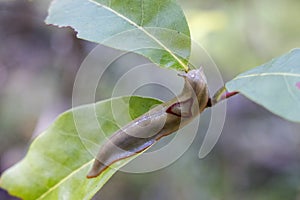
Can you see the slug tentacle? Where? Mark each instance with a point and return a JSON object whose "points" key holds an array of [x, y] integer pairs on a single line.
{"points": [[158, 122]]}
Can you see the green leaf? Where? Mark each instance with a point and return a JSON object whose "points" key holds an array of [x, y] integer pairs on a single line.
{"points": [[275, 85], [58, 160], [156, 29]]}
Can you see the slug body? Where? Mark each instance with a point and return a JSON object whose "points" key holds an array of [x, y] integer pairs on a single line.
{"points": [[158, 122]]}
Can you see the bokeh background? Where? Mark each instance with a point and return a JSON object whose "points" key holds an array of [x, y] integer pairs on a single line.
{"points": [[258, 154]]}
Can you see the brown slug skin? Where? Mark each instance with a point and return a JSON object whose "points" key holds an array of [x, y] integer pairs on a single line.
{"points": [[158, 122]]}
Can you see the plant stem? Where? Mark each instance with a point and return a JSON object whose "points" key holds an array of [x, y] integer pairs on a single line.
{"points": [[220, 95]]}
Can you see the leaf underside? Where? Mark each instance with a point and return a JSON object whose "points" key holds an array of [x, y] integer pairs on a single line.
{"points": [[274, 85], [156, 29], [58, 160]]}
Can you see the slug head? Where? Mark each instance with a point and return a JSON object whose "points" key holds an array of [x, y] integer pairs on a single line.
{"points": [[196, 80]]}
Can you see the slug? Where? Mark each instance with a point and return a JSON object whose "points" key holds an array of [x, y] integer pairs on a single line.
{"points": [[158, 122]]}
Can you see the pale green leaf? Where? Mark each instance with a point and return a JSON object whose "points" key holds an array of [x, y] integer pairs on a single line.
{"points": [[58, 160], [275, 85]]}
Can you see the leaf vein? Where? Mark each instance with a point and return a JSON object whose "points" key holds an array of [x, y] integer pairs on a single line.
{"points": [[289, 89], [267, 74], [144, 31], [63, 180]]}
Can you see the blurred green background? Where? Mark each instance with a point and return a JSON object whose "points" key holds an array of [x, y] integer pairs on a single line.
{"points": [[258, 154]]}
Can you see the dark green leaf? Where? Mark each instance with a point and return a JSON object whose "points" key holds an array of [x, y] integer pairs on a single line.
{"points": [[156, 29]]}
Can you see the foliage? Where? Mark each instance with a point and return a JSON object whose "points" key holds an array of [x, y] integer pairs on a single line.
{"points": [[275, 85], [155, 29], [58, 160]]}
